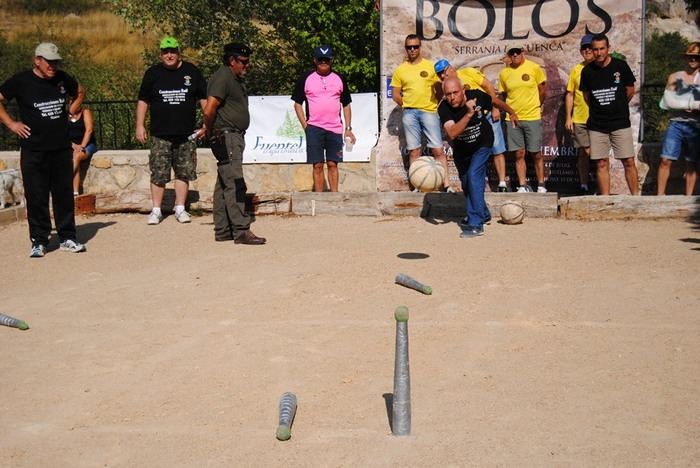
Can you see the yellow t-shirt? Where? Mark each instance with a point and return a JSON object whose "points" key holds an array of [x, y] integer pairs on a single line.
{"points": [[416, 83], [520, 85], [471, 77], [580, 114]]}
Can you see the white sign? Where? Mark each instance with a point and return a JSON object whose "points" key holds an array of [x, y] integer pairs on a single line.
{"points": [[275, 134]]}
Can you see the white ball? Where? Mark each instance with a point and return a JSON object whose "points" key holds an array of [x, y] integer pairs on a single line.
{"points": [[512, 212], [426, 174]]}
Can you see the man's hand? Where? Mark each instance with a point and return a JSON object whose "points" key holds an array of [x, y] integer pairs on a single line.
{"points": [[141, 134], [569, 125], [20, 129], [495, 114], [471, 104], [514, 120], [348, 133]]}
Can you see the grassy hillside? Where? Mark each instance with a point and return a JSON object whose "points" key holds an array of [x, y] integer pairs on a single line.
{"points": [[98, 46]]}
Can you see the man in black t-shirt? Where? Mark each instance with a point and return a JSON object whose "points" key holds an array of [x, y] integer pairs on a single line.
{"points": [[43, 94], [464, 116], [608, 85], [172, 89]]}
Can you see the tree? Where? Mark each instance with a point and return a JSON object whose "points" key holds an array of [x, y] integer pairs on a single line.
{"points": [[282, 35]]}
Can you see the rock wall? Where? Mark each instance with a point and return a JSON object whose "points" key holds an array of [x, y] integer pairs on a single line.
{"points": [[668, 16]]}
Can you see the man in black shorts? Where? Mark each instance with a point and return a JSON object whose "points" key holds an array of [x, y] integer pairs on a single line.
{"points": [[226, 118], [46, 157], [172, 89], [324, 92], [464, 117]]}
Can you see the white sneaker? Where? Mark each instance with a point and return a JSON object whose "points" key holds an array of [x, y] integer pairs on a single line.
{"points": [[183, 217], [72, 246], [524, 189], [541, 189], [155, 218], [37, 251], [450, 190]]}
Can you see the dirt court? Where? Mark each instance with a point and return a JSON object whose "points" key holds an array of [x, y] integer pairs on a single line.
{"points": [[552, 343]]}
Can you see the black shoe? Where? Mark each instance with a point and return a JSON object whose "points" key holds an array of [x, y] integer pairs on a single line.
{"points": [[501, 189], [472, 231], [249, 238]]}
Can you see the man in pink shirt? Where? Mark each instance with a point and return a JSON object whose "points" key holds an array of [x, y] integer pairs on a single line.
{"points": [[325, 92]]}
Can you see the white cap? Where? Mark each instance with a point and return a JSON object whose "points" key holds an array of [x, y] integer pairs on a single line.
{"points": [[48, 50]]}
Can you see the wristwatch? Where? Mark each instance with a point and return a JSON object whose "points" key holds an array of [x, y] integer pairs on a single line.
{"points": [[348, 127]]}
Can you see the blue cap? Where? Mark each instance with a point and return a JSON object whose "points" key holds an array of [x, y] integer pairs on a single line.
{"points": [[587, 40], [441, 65]]}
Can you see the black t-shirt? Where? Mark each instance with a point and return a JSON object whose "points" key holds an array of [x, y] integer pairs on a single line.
{"points": [[43, 107], [609, 109], [173, 96], [478, 132]]}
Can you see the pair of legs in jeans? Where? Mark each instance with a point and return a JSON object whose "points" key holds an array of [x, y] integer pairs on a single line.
{"points": [[472, 175]]}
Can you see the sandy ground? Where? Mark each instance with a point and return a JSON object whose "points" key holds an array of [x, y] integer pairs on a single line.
{"points": [[552, 343]]}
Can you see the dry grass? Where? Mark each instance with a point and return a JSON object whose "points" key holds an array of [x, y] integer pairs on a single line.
{"points": [[106, 37]]}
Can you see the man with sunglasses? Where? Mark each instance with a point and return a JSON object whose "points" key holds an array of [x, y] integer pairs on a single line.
{"points": [[577, 114], [472, 78], [412, 88], [607, 84], [682, 98], [172, 90], [46, 156], [324, 92], [524, 85], [226, 119]]}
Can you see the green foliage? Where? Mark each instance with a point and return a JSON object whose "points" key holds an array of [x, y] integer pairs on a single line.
{"points": [[282, 35], [662, 56]]}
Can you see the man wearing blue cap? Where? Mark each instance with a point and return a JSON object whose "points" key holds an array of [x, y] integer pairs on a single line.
{"points": [[472, 78], [324, 92], [577, 114]]}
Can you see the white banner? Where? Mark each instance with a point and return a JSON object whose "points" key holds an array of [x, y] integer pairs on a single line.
{"points": [[275, 134]]}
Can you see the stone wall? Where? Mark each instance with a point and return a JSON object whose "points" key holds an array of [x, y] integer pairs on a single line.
{"points": [[120, 179]]}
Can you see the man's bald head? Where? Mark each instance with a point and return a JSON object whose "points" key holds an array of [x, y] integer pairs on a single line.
{"points": [[453, 90]]}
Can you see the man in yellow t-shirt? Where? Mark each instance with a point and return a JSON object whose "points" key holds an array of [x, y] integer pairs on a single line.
{"points": [[412, 89], [472, 78], [523, 83], [577, 114]]}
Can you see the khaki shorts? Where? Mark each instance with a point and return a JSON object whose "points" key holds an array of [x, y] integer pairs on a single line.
{"points": [[619, 140], [528, 135], [581, 139]]}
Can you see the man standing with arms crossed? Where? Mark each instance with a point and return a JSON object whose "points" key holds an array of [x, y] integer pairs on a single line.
{"points": [[324, 91], [412, 89], [226, 118], [607, 84], [577, 114], [524, 85], [46, 157], [472, 78], [172, 89]]}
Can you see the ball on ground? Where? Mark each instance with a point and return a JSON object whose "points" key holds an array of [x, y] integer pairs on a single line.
{"points": [[426, 174], [512, 212]]}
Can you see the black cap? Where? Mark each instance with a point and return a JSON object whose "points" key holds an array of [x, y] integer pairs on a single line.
{"points": [[323, 51], [237, 49]]}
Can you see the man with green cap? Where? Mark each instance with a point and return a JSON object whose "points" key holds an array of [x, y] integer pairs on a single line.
{"points": [[172, 89]]}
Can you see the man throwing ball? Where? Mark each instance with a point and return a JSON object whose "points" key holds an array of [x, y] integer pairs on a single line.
{"points": [[464, 116]]}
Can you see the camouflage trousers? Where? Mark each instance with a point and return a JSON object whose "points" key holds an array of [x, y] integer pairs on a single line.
{"points": [[177, 153]]}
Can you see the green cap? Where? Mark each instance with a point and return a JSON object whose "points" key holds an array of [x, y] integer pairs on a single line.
{"points": [[169, 43]]}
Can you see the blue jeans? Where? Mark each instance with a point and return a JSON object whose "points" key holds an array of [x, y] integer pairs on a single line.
{"points": [[415, 122], [681, 137], [472, 174]]}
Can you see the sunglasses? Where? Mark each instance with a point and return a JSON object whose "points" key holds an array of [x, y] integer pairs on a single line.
{"points": [[412, 47], [586, 48], [169, 50], [242, 61], [323, 60], [695, 58], [515, 52]]}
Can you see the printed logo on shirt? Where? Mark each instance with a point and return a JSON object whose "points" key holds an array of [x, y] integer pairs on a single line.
{"points": [[424, 74], [525, 77], [61, 87], [617, 77], [188, 80]]}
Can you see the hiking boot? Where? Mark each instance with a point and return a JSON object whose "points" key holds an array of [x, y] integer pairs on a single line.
{"points": [[38, 251], [72, 246], [249, 238]]}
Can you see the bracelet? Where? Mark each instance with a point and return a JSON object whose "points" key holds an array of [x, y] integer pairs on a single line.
{"points": [[348, 128]]}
